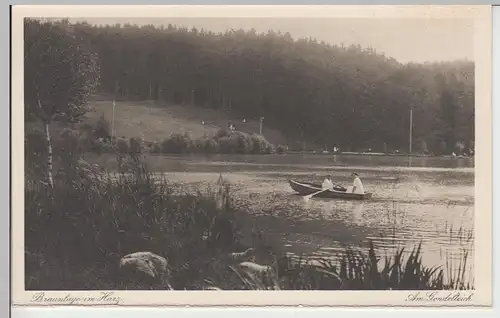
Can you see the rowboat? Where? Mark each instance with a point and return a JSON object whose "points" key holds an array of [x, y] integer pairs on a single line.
{"points": [[338, 192]]}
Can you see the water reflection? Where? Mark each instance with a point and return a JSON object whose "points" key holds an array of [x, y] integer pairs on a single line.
{"points": [[357, 212]]}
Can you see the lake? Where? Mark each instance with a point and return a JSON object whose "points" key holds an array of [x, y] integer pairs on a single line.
{"points": [[432, 201]]}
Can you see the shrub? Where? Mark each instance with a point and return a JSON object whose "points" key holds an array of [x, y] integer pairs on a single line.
{"points": [[226, 145], [155, 147], [102, 128], [122, 146], [227, 142], [243, 143], [100, 145], [211, 146], [222, 133], [206, 145], [459, 147], [135, 146], [261, 145], [281, 149], [178, 144], [198, 145]]}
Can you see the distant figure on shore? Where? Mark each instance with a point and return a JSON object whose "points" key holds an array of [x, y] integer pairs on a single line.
{"points": [[327, 183], [357, 185]]}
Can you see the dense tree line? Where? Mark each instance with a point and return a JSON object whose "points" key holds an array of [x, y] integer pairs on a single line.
{"points": [[346, 96]]}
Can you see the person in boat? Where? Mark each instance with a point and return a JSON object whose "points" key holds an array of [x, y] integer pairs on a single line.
{"points": [[357, 185], [327, 183]]}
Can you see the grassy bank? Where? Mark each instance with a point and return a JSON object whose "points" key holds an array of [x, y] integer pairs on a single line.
{"points": [[77, 232]]}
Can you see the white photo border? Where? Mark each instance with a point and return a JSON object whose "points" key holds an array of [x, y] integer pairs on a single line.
{"points": [[485, 141]]}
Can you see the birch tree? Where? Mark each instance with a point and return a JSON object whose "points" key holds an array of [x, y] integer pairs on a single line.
{"points": [[60, 74]]}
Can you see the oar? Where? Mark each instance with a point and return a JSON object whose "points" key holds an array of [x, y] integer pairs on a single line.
{"points": [[307, 197]]}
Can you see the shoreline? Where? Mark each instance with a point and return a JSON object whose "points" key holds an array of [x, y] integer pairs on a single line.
{"points": [[311, 153], [378, 154]]}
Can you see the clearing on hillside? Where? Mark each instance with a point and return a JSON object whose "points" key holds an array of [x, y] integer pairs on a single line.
{"points": [[155, 121]]}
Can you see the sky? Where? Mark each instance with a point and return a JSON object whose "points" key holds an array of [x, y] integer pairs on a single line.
{"points": [[406, 40]]}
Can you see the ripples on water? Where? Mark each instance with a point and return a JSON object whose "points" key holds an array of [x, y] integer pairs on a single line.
{"points": [[434, 205]]}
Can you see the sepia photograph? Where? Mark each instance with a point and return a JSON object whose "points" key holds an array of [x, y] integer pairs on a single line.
{"points": [[252, 153]]}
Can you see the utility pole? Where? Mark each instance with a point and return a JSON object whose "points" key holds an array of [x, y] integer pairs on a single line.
{"points": [[260, 129], [411, 128], [113, 121]]}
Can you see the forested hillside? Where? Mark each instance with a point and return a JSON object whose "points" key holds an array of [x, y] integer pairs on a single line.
{"points": [[350, 97]]}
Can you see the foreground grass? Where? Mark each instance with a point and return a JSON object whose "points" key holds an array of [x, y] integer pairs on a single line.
{"points": [[77, 232]]}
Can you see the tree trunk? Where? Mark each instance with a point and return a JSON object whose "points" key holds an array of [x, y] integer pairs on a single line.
{"points": [[50, 180]]}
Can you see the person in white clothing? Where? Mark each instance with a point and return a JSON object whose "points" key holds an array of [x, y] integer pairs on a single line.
{"points": [[327, 183], [357, 185]]}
